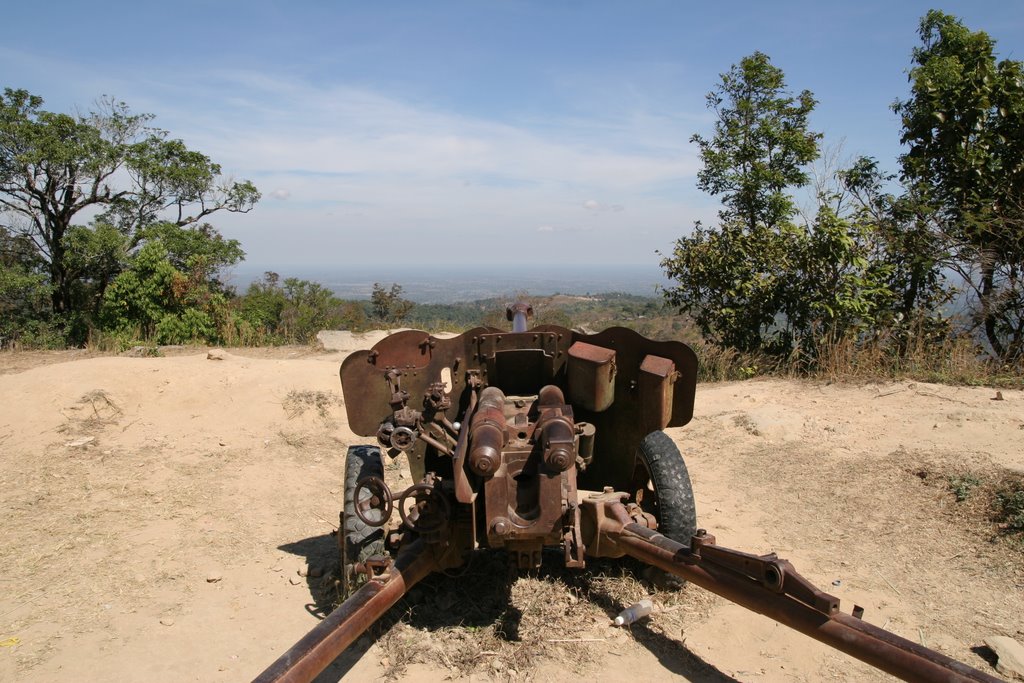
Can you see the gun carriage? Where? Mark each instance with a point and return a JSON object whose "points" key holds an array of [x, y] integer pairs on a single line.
{"points": [[547, 437]]}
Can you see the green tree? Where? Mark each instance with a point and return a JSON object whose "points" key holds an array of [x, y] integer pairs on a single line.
{"points": [[388, 304], [168, 293], [24, 296], [905, 242], [309, 308], [735, 280], [762, 281], [963, 125], [732, 281], [761, 146], [839, 288], [296, 311], [198, 249], [55, 166], [141, 296], [93, 257], [263, 303]]}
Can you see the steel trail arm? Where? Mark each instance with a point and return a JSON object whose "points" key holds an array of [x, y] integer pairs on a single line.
{"points": [[321, 646], [769, 586]]}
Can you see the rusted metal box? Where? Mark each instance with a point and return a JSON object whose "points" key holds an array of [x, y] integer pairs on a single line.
{"points": [[657, 375], [591, 376]]}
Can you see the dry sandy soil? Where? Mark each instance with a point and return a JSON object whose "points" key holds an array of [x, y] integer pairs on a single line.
{"points": [[157, 515]]}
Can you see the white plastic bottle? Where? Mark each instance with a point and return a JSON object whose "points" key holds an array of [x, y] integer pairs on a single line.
{"points": [[637, 610]]}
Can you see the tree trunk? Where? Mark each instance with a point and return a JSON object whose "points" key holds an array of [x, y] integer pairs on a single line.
{"points": [[59, 277], [988, 270]]}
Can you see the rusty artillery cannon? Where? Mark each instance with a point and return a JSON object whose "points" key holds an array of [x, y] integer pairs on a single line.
{"points": [[547, 437]]}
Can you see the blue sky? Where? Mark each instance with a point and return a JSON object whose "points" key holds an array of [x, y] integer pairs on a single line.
{"points": [[501, 132]]}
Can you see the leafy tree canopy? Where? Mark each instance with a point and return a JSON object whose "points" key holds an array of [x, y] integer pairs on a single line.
{"points": [[963, 125], [112, 164], [761, 144], [735, 279], [762, 281], [388, 304]]}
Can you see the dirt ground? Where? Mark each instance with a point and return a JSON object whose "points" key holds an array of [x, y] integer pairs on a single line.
{"points": [[167, 519]]}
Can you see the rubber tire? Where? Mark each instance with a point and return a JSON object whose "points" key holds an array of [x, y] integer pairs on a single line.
{"points": [[675, 509], [357, 540]]}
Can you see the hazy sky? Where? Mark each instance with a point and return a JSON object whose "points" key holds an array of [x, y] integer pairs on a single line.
{"points": [[436, 132]]}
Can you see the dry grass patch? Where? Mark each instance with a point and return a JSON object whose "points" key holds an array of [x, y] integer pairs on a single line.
{"points": [[990, 500], [92, 413], [491, 620], [293, 439], [296, 403], [955, 361]]}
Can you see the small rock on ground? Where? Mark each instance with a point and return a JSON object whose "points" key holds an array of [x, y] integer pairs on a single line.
{"points": [[1010, 654]]}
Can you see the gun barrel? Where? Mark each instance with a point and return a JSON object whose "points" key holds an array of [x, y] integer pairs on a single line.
{"points": [[519, 314]]}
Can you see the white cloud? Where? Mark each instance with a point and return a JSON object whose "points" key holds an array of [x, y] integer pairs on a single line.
{"points": [[278, 124], [359, 164], [566, 229], [598, 207]]}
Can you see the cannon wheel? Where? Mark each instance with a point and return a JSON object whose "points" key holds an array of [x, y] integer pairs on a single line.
{"points": [[357, 540], [662, 485]]}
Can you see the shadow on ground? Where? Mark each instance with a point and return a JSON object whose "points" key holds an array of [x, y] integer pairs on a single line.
{"points": [[320, 555]]}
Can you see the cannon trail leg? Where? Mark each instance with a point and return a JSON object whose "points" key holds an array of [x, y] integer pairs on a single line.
{"points": [[321, 646], [772, 587]]}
